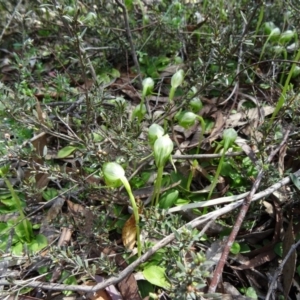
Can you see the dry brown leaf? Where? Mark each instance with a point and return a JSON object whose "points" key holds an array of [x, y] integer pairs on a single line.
{"points": [[41, 116], [65, 237], [55, 209], [218, 127], [257, 260], [126, 88], [86, 219], [42, 181], [129, 233], [282, 154], [39, 142], [170, 70], [99, 295], [47, 229], [111, 290], [242, 118], [290, 265], [75, 208]]}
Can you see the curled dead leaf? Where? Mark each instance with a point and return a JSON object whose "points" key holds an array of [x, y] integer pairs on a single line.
{"points": [[129, 233]]}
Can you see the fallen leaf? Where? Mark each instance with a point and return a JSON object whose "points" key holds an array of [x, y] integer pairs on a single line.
{"points": [[111, 290], [242, 118], [129, 233], [99, 295], [218, 126]]}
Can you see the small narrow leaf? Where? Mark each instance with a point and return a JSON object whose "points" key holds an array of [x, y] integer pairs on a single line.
{"points": [[66, 151]]}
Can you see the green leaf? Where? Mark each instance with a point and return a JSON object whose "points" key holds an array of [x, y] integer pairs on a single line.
{"points": [[115, 73], [24, 230], [50, 193], [156, 276], [235, 248], [68, 279], [145, 288], [38, 243], [181, 201], [66, 151], [168, 199], [278, 249], [244, 248], [251, 293], [42, 270], [17, 249]]}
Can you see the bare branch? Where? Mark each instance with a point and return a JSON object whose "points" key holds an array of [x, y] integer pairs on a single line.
{"points": [[246, 204]]}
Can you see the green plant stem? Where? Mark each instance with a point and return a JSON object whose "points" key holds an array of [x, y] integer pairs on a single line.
{"points": [[215, 180], [157, 186], [259, 21], [281, 100], [141, 108], [172, 93], [264, 47], [135, 213], [201, 134], [285, 58], [17, 203]]}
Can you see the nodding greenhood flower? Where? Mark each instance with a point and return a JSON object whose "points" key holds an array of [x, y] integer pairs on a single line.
{"points": [[177, 79], [229, 136], [163, 148], [268, 27], [188, 119], [148, 85], [196, 105], [192, 91], [286, 37], [114, 176], [278, 49], [296, 72], [155, 131], [275, 34], [113, 173]]}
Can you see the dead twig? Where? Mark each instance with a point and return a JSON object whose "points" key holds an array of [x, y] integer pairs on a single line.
{"points": [[246, 204], [10, 20], [130, 39], [279, 270]]}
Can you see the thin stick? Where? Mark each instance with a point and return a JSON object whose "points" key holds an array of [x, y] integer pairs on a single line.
{"points": [[279, 269], [246, 204], [129, 35], [10, 20]]}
